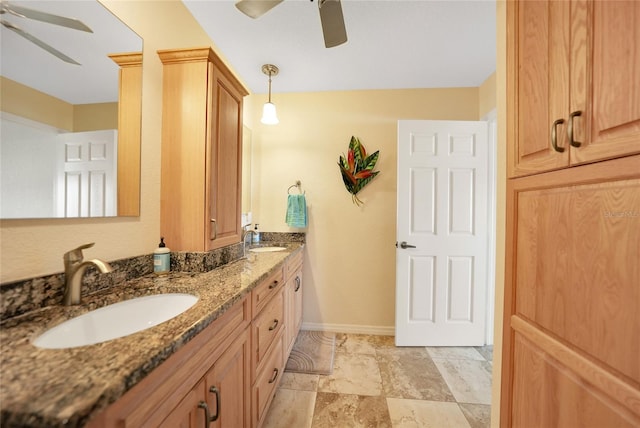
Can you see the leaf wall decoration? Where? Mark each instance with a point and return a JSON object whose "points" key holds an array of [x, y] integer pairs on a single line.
{"points": [[357, 168]]}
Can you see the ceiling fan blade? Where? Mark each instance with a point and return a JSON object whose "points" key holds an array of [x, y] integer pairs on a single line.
{"points": [[25, 12], [256, 8], [332, 21], [38, 42]]}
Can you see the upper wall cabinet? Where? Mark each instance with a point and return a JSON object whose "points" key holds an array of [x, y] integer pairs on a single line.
{"points": [[200, 193], [573, 83]]}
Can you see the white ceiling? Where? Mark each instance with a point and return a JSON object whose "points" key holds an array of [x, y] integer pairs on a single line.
{"points": [[96, 80], [392, 44]]}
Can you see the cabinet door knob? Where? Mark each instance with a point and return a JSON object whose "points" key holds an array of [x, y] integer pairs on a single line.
{"points": [[274, 326], [275, 376], [554, 135], [570, 129], [298, 283]]}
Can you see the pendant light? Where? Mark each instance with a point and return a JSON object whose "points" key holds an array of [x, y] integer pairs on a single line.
{"points": [[269, 116]]}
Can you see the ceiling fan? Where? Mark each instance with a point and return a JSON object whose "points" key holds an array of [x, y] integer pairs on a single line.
{"points": [[27, 13], [331, 17]]}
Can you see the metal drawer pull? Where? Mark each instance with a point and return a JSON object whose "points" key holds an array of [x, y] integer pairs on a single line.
{"points": [[275, 376], [273, 285], [215, 391], [570, 129], [298, 283], [275, 324], [214, 235], [204, 406], [554, 136]]}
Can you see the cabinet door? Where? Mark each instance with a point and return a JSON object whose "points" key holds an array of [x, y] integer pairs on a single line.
{"points": [[605, 79], [189, 413], [225, 172], [292, 310], [538, 79], [228, 386]]}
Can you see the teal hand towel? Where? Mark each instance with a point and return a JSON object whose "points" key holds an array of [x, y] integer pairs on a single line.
{"points": [[296, 211]]}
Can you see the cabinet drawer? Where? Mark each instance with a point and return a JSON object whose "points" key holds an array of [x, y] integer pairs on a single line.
{"points": [[265, 386], [263, 292], [292, 264], [266, 328]]}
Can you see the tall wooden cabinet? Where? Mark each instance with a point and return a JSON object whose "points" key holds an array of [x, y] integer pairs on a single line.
{"points": [[129, 131], [571, 327], [200, 197], [574, 79]]}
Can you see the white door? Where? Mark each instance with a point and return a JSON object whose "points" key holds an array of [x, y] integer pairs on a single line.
{"points": [[441, 260], [86, 178]]}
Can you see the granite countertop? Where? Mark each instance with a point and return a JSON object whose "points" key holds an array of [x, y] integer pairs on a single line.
{"points": [[65, 387]]}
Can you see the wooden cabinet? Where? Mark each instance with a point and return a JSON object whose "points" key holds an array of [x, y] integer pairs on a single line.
{"points": [[229, 371], [269, 324], [200, 202], [571, 326], [573, 79], [175, 393], [293, 301], [129, 131]]}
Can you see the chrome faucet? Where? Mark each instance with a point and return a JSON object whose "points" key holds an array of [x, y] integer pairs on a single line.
{"points": [[74, 267], [246, 231]]}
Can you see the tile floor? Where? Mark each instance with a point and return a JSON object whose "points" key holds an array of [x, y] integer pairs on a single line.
{"points": [[375, 384]]}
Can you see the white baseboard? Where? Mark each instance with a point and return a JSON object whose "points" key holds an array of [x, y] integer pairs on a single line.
{"points": [[350, 328]]}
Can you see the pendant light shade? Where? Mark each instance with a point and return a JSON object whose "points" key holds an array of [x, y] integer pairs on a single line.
{"points": [[269, 116]]}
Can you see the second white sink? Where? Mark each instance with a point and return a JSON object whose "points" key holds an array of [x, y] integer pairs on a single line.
{"points": [[116, 320], [267, 249]]}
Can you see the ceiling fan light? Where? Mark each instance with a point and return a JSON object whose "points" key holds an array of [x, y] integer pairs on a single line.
{"points": [[269, 116]]}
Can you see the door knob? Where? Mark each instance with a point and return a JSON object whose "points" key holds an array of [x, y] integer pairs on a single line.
{"points": [[404, 244]]}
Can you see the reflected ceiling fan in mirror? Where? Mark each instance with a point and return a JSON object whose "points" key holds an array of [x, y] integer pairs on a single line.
{"points": [[331, 17], [27, 13]]}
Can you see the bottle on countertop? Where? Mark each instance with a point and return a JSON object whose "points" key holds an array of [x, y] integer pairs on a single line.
{"points": [[161, 259], [255, 238]]}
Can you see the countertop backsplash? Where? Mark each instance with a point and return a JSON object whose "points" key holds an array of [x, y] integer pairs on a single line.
{"points": [[20, 297]]}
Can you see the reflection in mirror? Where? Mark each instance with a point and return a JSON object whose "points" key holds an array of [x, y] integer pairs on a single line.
{"points": [[246, 175], [70, 141]]}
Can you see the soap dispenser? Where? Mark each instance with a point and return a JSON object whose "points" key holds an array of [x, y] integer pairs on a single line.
{"points": [[161, 259], [256, 235]]}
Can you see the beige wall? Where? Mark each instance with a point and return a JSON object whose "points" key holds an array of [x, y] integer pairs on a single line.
{"points": [[29, 103], [501, 203], [487, 96], [349, 274], [34, 247]]}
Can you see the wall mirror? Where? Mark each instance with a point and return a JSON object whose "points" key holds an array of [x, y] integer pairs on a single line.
{"points": [[71, 111]]}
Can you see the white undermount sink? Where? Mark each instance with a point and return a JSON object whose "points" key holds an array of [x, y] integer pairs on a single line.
{"points": [[116, 320], [267, 249]]}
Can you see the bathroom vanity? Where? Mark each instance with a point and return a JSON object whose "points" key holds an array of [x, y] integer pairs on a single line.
{"points": [[216, 364]]}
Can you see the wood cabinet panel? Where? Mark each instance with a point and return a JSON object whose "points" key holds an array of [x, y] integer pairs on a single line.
{"points": [[605, 79], [573, 241], [269, 287], [571, 63], [187, 413], [540, 72], [201, 151], [551, 395], [265, 385], [129, 132], [577, 260], [227, 386], [267, 326]]}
